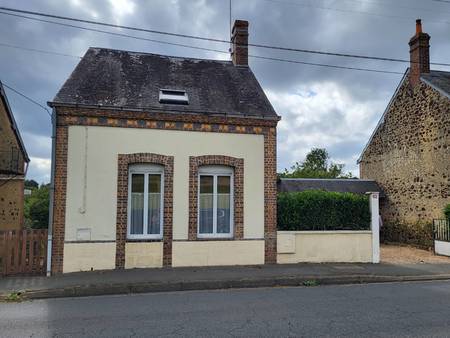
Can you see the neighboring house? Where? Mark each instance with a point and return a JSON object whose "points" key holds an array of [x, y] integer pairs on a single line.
{"points": [[352, 185], [13, 163], [409, 152], [163, 161]]}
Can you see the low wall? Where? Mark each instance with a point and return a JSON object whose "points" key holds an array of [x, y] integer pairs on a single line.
{"points": [[89, 256], [442, 248], [324, 246], [216, 253]]}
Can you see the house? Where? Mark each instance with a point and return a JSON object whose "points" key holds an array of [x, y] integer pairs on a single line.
{"points": [[351, 185], [163, 161], [13, 165], [408, 153]]}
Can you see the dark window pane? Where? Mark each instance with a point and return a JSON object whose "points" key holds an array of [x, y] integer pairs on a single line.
{"points": [[137, 183], [223, 184], [154, 183], [154, 213], [206, 184]]}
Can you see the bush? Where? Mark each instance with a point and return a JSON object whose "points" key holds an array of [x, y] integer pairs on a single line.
{"points": [[322, 210], [447, 211], [36, 208], [417, 234]]}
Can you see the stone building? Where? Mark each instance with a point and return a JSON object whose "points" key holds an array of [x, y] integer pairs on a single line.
{"points": [[13, 161], [408, 154]]}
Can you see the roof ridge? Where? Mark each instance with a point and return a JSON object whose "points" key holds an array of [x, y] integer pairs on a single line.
{"points": [[159, 55]]}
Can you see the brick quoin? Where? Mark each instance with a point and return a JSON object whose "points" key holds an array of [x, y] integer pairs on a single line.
{"points": [[108, 117]]}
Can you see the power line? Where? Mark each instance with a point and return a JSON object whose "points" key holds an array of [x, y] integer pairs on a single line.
{"points": [[290, 49], [213, 50], [38, 50], [324, 65], [328, 8], [27, 97], [114, 33]]}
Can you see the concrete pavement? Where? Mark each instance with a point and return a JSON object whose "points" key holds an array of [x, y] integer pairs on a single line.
{"points": [[419, 309], [207, 278]]}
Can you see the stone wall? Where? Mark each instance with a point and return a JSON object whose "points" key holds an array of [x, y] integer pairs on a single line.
{"points": [[409, 155], [11, 204]]}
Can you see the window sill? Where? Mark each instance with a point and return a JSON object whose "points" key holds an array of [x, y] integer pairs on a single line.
{"points": [[132, 240]]}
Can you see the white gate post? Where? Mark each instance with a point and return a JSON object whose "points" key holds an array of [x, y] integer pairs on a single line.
{"points": [[374, 199]]}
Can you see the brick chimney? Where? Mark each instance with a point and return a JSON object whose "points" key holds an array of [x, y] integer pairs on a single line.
{"points": [[419, 50], [239, 42]]}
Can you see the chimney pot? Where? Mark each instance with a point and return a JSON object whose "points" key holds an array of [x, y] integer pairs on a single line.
{"points": [[419, 51], [418, 26], [239, 43]]}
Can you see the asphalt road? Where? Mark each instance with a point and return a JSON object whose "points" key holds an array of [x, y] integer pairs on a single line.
{"points": [[396, 310]]}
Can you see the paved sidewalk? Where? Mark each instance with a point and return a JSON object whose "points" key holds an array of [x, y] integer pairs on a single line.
{"points": [[178, 279]]}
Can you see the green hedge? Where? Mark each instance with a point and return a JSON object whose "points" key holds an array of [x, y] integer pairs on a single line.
{"points": [[447, 211], [322, 210]]}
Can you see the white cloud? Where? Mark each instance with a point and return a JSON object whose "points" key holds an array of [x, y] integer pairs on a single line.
{"points": [[39, 169], [323, 115]]}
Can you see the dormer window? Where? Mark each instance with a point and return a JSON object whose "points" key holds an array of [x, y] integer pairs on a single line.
{"points": [[173, 96]]}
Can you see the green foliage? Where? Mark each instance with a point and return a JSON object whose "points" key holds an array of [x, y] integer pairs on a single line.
{"points": [[31, 184], [36, 208], [311, 282], [322, 210], [416, 234], [14, 297], [316, 165], [447, 211]]}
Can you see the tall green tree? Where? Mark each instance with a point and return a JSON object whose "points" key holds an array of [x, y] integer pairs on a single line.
{"points": [[36, 207], [317, 164]]}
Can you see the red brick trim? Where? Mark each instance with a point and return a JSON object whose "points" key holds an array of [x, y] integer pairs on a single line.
{"points": [[270, 196], [59, 200], [238, 164], [124, 160]]}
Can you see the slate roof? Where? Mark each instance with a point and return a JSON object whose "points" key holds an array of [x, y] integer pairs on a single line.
{"points": [[124, 79], [356, 186], [13, 123], [439, 80]]}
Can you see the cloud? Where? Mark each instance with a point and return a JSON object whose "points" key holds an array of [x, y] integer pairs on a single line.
{"points": [[325, 107], [39, 169]]}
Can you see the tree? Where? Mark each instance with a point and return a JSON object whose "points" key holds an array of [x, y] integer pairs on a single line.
{"points": [[316, 165], [36, 207], [31, 184]]}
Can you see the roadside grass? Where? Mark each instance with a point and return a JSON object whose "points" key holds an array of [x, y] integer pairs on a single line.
{"points": [[13, 297], [310, 283]]}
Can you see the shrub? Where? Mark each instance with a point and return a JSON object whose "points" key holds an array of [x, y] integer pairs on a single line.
{"points": [[447, 211], [416, 234], [322, 210]]}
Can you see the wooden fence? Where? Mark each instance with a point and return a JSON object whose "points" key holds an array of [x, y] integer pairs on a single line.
{"points": [[23, 252]]}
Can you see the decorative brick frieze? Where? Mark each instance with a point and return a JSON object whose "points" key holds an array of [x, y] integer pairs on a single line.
{"points": [[124, 161], [238, 165]]}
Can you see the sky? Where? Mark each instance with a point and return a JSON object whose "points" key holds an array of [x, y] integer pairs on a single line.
{"points": [[320, 107]]}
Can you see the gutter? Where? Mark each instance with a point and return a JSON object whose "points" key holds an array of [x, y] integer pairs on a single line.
{"points": [[52, 194]]}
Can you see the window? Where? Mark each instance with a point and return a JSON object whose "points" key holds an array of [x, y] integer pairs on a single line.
{"points": [[215, 202], [145, 201], [173, 96]]}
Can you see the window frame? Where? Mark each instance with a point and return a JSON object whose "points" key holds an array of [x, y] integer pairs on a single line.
{"points": [[146, 170], [215, 171]]}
